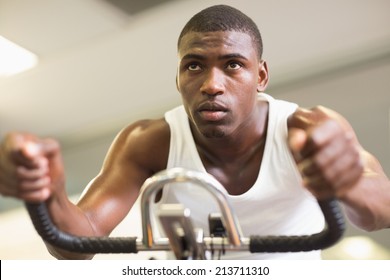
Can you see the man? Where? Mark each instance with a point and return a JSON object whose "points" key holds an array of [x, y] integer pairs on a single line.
{"points": [[228, 127]]}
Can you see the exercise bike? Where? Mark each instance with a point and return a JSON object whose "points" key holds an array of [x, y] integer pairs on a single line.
{"points": [[185, 241]]}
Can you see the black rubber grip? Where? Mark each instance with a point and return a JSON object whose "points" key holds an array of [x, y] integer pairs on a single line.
{"points": [[88, 245], [333, 231]]}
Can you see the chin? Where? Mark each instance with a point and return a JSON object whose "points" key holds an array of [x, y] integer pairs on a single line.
{"points": [[214, 134]]}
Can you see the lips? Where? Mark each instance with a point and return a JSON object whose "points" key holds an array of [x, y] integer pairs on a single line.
{"points": [[212, 111]]}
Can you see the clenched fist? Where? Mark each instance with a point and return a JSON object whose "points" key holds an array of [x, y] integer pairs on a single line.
{"points": [[30, 168], [326, 150]]}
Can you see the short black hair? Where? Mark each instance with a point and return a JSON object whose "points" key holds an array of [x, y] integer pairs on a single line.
{"points": [[223, 18]]}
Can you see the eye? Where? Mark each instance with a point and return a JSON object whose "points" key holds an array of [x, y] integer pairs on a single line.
{"points": [[234, 65], [194, 67]]}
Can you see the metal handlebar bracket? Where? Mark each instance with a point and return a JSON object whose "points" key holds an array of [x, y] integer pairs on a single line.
{"points": [[204, 180], [186, 241]]}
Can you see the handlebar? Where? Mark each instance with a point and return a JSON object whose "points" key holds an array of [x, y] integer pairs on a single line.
{"points": [[332, 232]]}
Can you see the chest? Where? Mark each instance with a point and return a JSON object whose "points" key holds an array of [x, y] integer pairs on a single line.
{"points": [[237, 176]]}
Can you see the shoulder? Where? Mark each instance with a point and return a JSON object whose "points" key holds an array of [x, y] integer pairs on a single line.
{"points": [[144, 129], [145, 142]]}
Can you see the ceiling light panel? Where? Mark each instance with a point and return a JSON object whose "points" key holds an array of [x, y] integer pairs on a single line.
{"points": [[14, 59]]}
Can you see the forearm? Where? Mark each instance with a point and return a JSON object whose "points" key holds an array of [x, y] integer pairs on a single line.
{"points": [[370, 216], [367, 205], [69, 218]]}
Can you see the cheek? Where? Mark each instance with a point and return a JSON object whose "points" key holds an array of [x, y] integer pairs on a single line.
{"points": [[246, 82], [186, 96], [184, 86], [189, 91], [246, 101]]}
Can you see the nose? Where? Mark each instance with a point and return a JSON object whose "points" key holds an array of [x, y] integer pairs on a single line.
{"points": [[213, 83]]}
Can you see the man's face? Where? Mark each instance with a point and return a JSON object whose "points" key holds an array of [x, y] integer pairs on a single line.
{"points": [[218, 77]]}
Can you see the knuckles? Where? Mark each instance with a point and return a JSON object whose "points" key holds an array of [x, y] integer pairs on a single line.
{"points": [[25, 178], [331, 160]]}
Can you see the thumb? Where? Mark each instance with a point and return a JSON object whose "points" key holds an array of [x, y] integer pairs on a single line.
{"points": [[49, 149], [31, 149], [35, 150], [297, 139], [43, 147]]}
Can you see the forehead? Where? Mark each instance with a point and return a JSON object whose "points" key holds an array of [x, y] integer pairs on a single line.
{"points": [[219, 41]]}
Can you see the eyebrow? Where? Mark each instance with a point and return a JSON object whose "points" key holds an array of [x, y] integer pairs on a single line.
{"points": [[222, 57]]}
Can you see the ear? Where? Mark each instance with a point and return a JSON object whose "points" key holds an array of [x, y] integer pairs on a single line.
{"points": [[263, 76]]}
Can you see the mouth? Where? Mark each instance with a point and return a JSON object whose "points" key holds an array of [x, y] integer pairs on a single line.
{"points": [[212, 111]]}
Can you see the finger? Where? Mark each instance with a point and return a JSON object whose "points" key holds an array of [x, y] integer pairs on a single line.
{"points": [[25, 148], [321, 135], [333, 151], [51, 149], [30, 153], [34, 185], [48, 147], [22, 188], [30, 150], [307, 167], [296, 141], [349, 179], [35, 196], [31, 174], [340, 166], [315, 182], [12, 146], [18, 158], [12, 176], [318, 187], [322, 194], [326, 174], [335, 179], [325, 157]]}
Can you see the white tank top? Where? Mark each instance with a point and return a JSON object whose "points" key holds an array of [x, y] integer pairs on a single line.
{"points": [[276, 204]]}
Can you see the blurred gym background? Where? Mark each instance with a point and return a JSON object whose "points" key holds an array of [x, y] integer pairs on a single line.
{"points": [[97, 65]]}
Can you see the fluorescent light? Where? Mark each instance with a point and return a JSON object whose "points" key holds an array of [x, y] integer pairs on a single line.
{"points": [[357, 248], [14, 59]]}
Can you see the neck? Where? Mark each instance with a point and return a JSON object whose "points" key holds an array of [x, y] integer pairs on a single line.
{"points": [[241, 145]]}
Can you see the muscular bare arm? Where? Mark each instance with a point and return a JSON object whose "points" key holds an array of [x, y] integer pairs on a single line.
{"points": [[334, 164], [31, 169]]}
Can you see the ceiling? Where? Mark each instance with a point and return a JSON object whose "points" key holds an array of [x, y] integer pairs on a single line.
{"points": [[104, 64]]}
